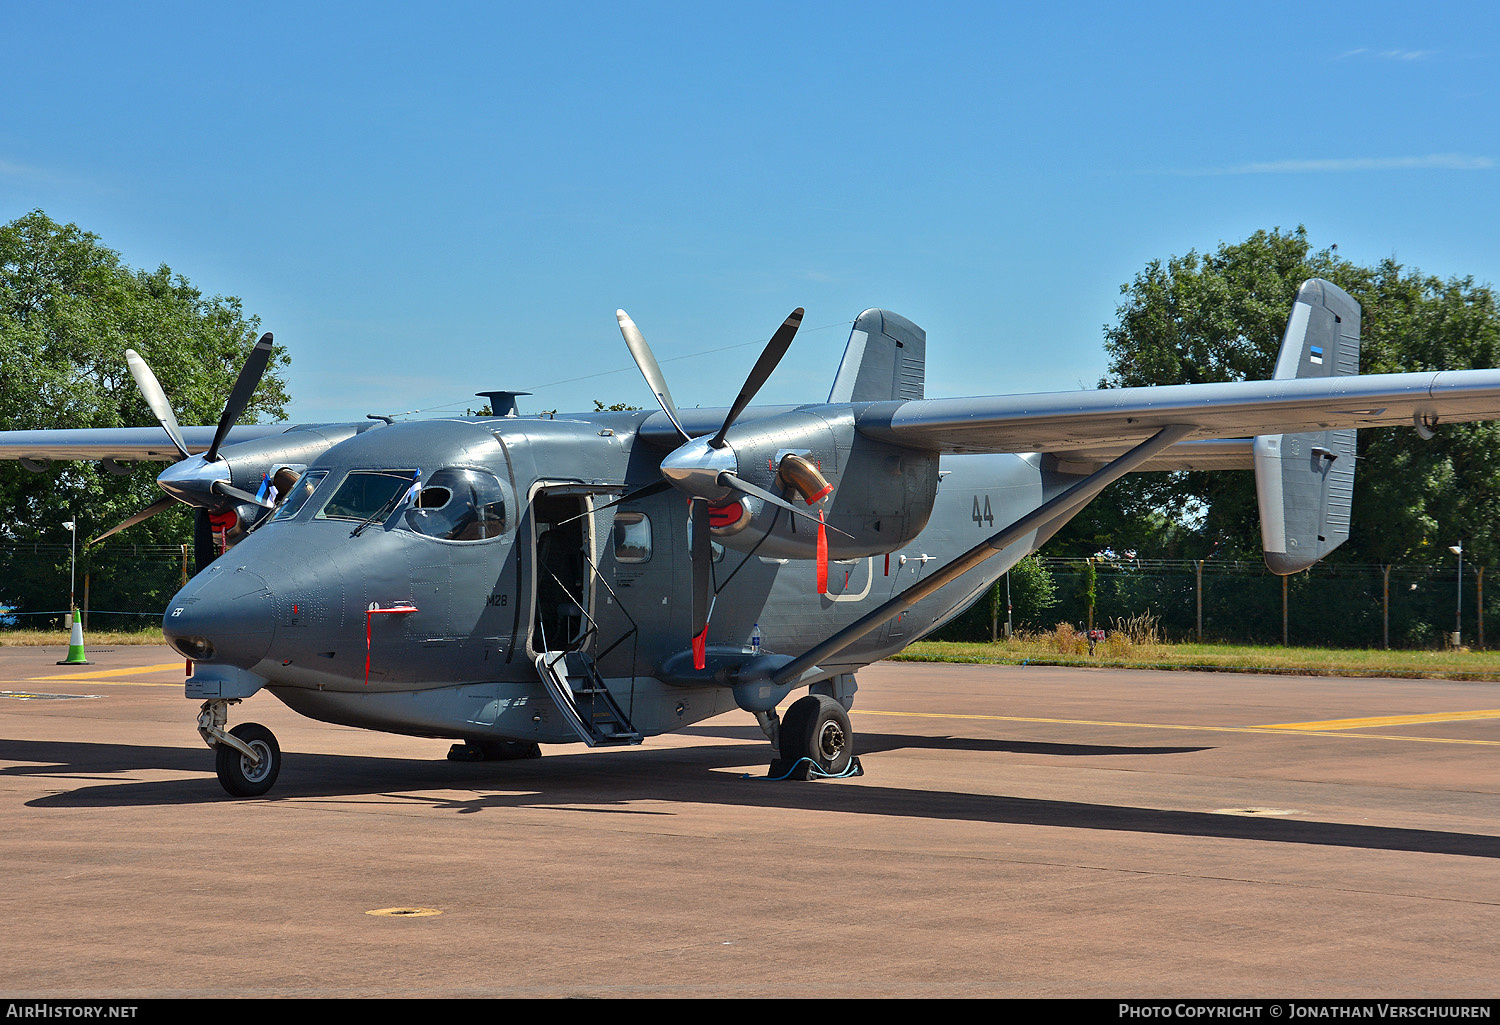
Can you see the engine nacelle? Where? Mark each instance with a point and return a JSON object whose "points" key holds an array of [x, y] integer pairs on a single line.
{"points": [[881, 498]]}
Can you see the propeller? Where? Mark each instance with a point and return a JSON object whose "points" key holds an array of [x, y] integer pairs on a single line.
{"points": [[704, 469], [703, 562], [760, 373], [156, 398], [239, 396], [199, 481], [655, 379], [160, 505]]}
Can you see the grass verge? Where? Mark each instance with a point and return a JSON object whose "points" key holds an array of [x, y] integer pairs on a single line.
{"points": [[60, 638], [1240, 658]]}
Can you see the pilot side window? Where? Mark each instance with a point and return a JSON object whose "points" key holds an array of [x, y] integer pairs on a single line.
{"points": [[632, 537], [295, 498], [458, 505]]}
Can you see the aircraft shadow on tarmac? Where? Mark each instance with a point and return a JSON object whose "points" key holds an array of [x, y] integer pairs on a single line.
{"points": [[876, 743], [669, 775]]}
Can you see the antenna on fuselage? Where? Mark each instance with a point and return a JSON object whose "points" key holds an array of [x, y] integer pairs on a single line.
{"points": [[502, 403]]}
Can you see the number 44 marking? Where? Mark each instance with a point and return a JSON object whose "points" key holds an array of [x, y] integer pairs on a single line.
{"points": [[985, 516]]}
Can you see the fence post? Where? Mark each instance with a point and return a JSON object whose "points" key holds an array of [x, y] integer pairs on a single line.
{"points": [[1283, 612], [1385, 607], [1481, 608], [1200, 600]]}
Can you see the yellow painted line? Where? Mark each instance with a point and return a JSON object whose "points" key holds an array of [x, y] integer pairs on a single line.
{"points": [[102, 673], [128, 683], [1386, 720], [1179, 726]]}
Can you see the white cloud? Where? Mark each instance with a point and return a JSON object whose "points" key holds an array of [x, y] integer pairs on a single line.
{"points": [[11, 169], [1392, 55], [1431, 162]]}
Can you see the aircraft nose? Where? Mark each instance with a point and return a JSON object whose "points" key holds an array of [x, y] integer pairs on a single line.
{"points": [[225, 614]]}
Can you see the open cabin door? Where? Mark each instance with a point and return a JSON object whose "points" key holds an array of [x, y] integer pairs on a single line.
{"points": [[562, 580], [566, 534]]}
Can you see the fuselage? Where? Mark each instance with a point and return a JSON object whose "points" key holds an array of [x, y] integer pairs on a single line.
{"points": [[411, 579]]}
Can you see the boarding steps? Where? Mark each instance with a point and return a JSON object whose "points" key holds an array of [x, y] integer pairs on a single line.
{"points": [[579, 693]]}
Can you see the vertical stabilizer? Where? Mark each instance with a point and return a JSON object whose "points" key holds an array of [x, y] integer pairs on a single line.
{"points": [[1304, 483], [886, 358]]}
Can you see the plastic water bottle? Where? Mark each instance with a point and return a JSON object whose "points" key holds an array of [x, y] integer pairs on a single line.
{"points": [[755, 640]]}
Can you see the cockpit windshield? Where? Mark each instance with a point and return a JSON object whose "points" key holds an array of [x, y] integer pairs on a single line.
{"points": [[365, 493], [458, 505]]}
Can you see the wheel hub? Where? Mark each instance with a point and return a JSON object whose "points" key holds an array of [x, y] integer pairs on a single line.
{"points": [[831, 741], [254, 773]]}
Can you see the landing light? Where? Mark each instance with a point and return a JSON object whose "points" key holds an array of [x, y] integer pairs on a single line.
{"points": [[199, 649]]}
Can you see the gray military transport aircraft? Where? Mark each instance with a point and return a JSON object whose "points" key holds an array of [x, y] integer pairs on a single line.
{"points": [[507, 581]]}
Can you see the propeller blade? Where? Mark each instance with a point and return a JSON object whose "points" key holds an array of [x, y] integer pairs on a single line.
{"points": [[239, 396], [204, 547], [655, 379], [703, 559], [654, 488], [160, 505], [729, 480], [156, 398], [219, 487], [769, 358]]}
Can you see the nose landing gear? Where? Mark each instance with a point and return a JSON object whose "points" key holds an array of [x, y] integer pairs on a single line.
{"points": [[246, 758]]}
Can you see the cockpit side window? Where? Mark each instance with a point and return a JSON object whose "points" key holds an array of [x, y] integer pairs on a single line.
{"points": [[298, 495], [458, 504]]}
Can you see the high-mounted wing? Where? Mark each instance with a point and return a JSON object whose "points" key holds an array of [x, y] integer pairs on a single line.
{"points": [[1082, 423], [122, 444]]}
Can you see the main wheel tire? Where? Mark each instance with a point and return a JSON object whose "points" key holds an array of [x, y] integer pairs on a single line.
{"points": [[236, 773], [817, 728]]}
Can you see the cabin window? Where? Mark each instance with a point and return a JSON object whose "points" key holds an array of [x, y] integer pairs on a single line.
{"points": [[367, 495], [458, 505], [632, 537], [298, 495]]}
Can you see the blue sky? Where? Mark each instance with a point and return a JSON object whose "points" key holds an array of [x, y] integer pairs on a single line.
{"points": [[425, 200]]}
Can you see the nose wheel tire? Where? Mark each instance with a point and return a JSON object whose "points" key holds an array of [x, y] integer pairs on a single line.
{"points": [[238, 774], [816, 728]]}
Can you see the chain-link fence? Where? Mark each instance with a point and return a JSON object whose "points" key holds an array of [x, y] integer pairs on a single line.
{"points": [[1330, 605], [120, 587]]}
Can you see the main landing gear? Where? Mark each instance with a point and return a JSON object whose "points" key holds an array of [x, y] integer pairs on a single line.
{"points": [[813, 741], [247, 758]]}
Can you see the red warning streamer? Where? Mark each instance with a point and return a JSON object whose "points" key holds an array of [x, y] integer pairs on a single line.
{"points": [[822, 555]]}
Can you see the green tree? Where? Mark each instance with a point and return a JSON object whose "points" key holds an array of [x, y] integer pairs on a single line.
{"points": [[1220, 317], [69, 308]]}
